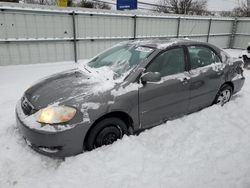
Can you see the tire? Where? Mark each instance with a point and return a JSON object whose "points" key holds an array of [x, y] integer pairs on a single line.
{"points": [[105, 132], [224, 95]]}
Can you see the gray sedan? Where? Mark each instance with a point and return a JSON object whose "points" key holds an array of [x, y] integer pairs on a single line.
{"points": [[128, 88]]}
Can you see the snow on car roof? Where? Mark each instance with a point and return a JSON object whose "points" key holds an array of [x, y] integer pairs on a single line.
{"points": [[160, 43]]}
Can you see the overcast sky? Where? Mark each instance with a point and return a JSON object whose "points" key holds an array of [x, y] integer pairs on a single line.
{"points": [[216, 5], [222, 4]]}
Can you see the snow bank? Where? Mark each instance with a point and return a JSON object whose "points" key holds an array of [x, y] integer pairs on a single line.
{"points": [[206, 149]]}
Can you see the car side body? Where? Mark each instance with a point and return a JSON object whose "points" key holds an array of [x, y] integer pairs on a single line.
{"points": [[137, 101]]}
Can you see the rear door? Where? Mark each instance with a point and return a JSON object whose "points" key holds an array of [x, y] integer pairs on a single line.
{"points": [[160, 101], [206, 76]]}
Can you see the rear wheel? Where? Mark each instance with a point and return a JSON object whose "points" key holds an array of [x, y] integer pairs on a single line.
{"points": [[106, 132], [224, 95]]}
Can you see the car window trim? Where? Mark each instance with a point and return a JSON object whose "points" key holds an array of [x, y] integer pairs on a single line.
{"points": [[153, 50], [201, 45], [170, 48]]}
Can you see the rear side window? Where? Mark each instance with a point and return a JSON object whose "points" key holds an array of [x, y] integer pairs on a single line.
{"points": [[168, 63], [201, 56]]}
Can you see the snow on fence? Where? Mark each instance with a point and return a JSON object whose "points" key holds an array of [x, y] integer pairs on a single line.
{"points": [[38, 34]]}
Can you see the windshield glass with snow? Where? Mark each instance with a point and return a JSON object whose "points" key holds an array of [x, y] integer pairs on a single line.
{"points": [[121, 59]]}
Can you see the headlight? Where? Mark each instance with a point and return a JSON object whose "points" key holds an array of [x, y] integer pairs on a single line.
{"points": [[55, 114]]}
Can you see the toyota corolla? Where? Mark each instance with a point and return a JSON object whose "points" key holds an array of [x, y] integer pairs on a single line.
{"points": [[126, 89]]}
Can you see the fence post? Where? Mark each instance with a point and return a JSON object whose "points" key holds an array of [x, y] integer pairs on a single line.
{"points": [[178, 27], [134, 26], [209, 28], [74, 35], [234, 29]]}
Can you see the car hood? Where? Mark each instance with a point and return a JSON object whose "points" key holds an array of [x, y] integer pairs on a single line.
{"points": [[69, 87]]}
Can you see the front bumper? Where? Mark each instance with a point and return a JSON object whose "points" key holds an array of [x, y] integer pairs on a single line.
{"points": [[54, 144]]}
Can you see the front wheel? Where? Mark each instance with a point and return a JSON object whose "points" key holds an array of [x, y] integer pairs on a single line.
{"points": [[224, 95], [106, 132]]}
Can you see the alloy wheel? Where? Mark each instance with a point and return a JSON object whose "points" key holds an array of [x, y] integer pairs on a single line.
{"points": [[224, 96]]}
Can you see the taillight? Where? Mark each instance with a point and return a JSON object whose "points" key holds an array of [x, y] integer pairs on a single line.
{"points": [[240, 68]]}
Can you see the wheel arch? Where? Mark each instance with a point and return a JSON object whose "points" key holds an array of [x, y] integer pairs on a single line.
{"points": [[118, 114], [230, 84]]}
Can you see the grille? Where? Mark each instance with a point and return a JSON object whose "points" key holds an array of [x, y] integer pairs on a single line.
{"points": [[26, 106]]}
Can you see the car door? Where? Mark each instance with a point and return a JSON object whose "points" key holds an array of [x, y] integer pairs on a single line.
{"points": [[206, 76], [160, 101]]}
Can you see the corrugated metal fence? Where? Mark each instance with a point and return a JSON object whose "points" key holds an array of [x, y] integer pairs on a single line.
{"points": [[35, 35]]}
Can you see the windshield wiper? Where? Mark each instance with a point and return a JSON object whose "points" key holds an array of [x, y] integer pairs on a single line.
{"points": [[86, 69]]}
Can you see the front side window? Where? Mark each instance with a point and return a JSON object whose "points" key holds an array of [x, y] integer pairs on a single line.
{"points": [[201, 56], [168, 63]]}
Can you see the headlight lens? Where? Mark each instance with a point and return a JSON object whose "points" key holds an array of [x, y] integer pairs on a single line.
{"points": [[55, 114]]}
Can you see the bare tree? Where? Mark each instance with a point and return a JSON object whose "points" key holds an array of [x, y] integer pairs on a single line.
{"points": [[226, 13], [86, 4], [41, 2], [72, 3], [197, 7], [243, 10], [11, 1], [94, 4], [102, 5]]}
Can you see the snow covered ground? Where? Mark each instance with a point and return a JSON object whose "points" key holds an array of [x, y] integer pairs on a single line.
{"points": [[207, 149]]}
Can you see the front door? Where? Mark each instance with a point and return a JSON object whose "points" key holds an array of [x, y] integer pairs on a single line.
{"points": [[163, 100]]}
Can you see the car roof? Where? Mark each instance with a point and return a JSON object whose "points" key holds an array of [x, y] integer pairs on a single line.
{"points": [[164, 43]]}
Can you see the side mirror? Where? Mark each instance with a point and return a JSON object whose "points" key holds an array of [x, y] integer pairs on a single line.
{"points": [[150, 77]]}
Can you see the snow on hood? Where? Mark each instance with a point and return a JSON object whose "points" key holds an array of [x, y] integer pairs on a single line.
{"points": [[102, 77], [76, 84], [105, 76], [78, 87]]}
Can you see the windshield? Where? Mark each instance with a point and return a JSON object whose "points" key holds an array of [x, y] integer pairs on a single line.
{"points": [[121, 59]]}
